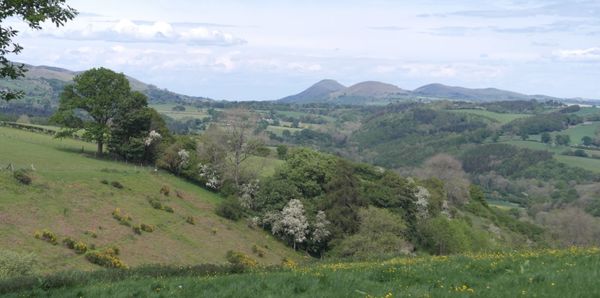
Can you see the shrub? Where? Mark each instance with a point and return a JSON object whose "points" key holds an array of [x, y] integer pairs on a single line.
{"points": [[288, 264], [13, 264], [240, 259], [91, 234], [69, 242], [165, 190], [258, 251], [214, 231], [47, 236], [104, 181], [190, 220], [137, 229], [123, 219], [106, 258], [22, 176], [230, 208], [117, 184], [80, 247], [156, 204], [179, 194], [147, 228]]}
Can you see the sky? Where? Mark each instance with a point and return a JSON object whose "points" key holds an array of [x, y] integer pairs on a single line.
{"points": [[268, 49]]}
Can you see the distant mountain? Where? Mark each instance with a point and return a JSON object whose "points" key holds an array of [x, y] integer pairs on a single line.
{"points": [[333, 92], [485, 94], [318, 92], [43, 84], [372, 92]]}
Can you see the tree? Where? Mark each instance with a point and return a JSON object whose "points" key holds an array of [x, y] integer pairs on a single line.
{"points": [[292, 223], [450, 171], [321, 232], [103, 95], [587, 141], [238, 124], [34, 13], [563, 140], [282, 151], [546, 138]]}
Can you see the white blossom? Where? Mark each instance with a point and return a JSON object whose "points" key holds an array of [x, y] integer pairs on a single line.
{"points": [[422, 202], [184, 158], [292, 222], [151, 138], [321, 232]]}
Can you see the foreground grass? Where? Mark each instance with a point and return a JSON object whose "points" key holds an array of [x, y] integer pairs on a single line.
{"points": [[546, 273]]}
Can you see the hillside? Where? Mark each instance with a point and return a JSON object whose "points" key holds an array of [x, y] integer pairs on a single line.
{"points": [[67, 197], [544, 273], [372, 92], [43, 84]]}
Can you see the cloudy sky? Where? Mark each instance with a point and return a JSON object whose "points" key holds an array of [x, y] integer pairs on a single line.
{"points": [[267, 49]]}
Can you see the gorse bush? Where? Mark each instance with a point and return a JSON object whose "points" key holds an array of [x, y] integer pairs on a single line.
{"points": [[13, 264], [106, 258], [190, 220], [258, 251], [156, 204], [240, 259], [22, 176], [47, 236], [117, 184], [78, 246], [147, 228], [123, 219]]}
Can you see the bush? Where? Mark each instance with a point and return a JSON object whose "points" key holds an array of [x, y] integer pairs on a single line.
{"points": [[106, 258], [190, 220], [104, 181], [165, 190], [230, 208], [258, 251], [137, 229], [13, 264], [156, 204], [147, 228], [240, 259], [91, 234], [117, 184], [47, 236], [22, 176], [288, 264], [123, 219]]}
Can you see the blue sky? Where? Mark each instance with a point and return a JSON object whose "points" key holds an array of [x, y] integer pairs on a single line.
{"points": [[258, 50]]}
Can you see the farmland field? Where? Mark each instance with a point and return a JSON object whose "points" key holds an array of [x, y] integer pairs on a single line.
{"points": [[190, 111], [502, 118]]}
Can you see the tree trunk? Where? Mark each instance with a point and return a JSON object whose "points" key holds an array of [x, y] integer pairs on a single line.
{"points": [[100, 145]]}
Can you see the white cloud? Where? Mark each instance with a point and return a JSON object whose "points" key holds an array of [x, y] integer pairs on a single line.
{"points": [[161, 32], [591, 54], [462, 70]]}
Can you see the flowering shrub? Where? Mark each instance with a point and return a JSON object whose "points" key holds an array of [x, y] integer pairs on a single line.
{"points": [[288, 264], [152, 137], [47, 236], [106, 258], [240, 259], [156, 204], [123, 219], [147, 228], [258, 251]]}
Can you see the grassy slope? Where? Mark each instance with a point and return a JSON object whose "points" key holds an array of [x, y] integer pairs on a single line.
{"points": [[68, 198], [548, 273]]}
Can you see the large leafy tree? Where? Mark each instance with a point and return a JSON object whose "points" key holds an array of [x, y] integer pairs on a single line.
{"points": [[34, 13], [98, 99]]}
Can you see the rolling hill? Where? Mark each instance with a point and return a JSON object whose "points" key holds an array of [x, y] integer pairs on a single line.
{"points": [[372, 92]]}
